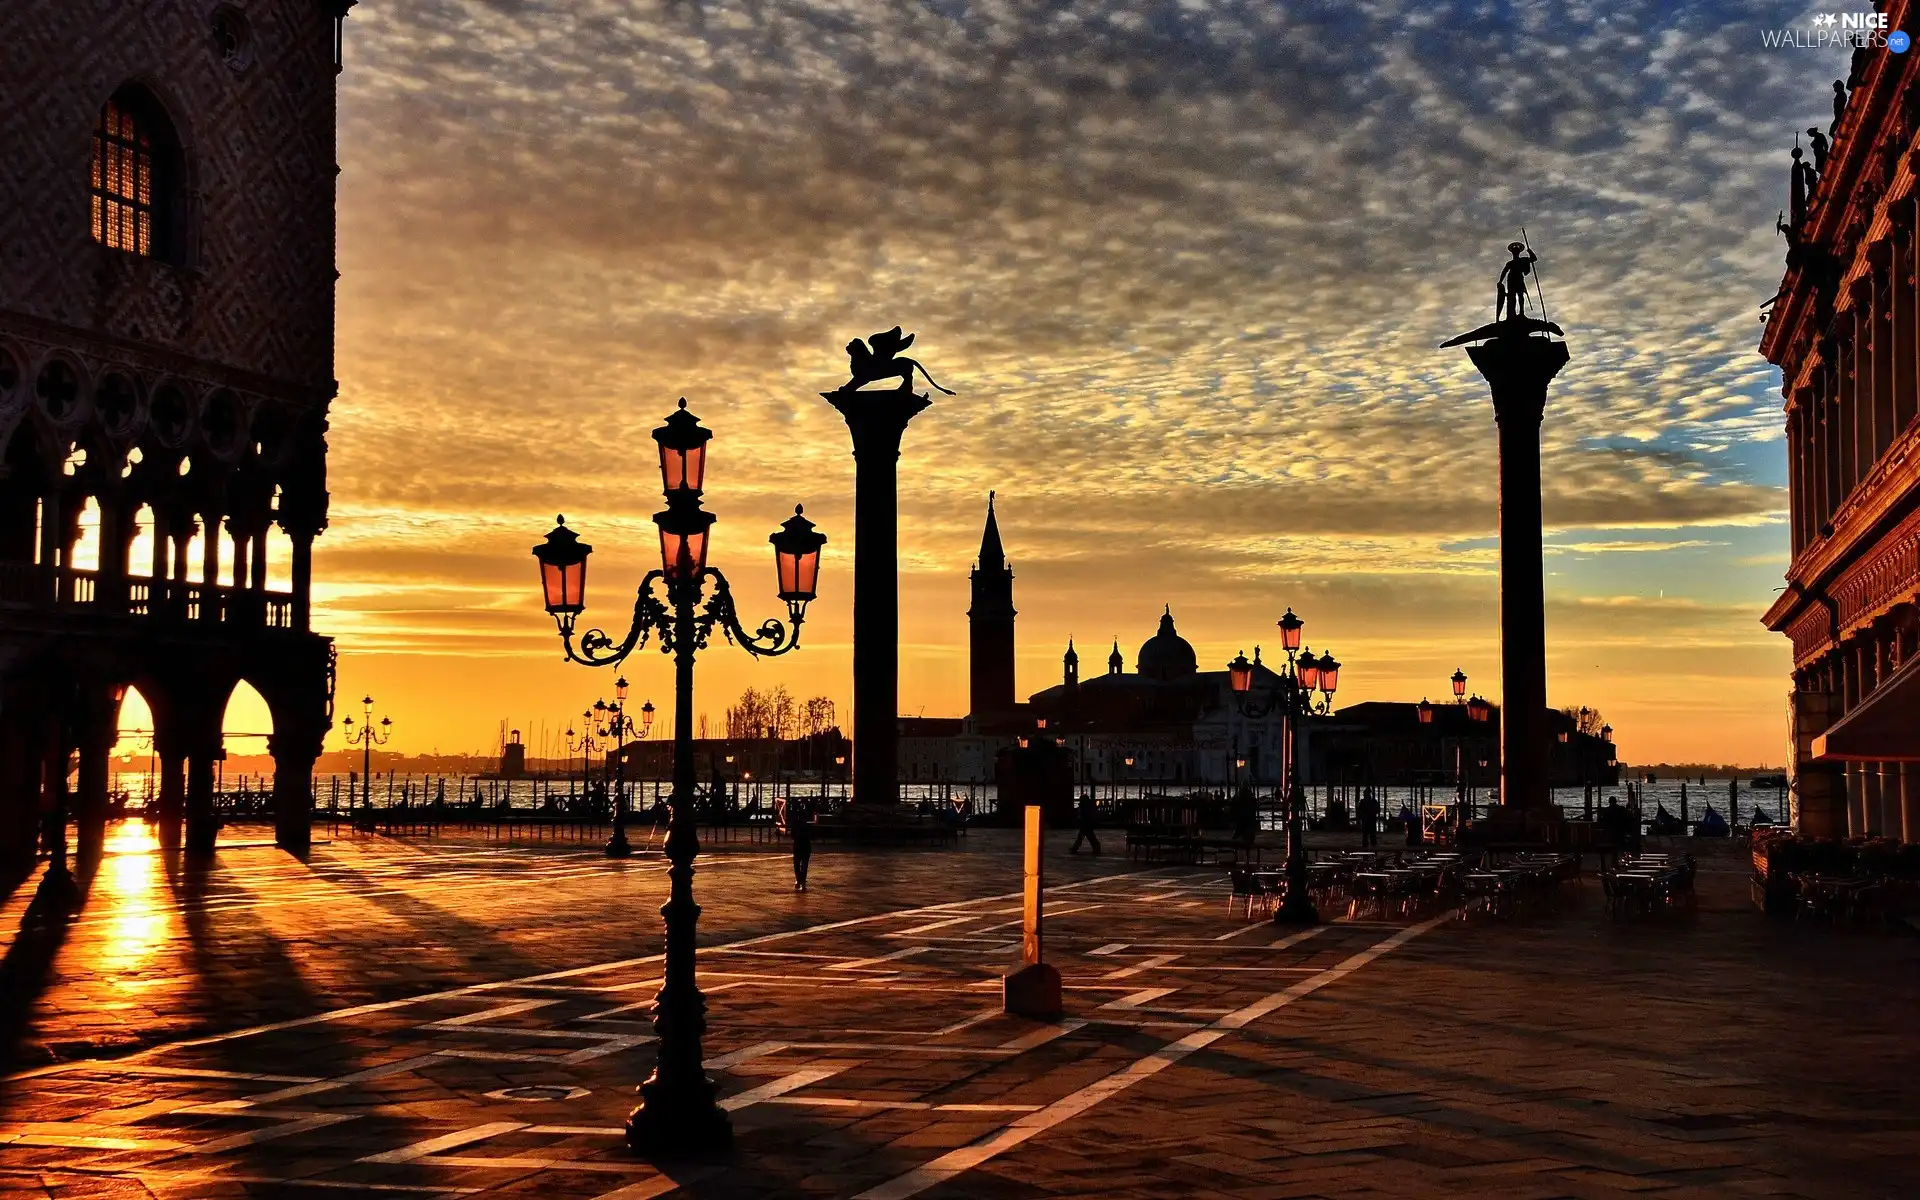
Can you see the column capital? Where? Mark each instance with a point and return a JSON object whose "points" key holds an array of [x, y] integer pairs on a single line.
{"points": [[877, 419], [1518, 370]]}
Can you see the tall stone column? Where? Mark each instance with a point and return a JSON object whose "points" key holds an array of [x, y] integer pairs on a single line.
{"points": [[1518, 363], [877, 420]]}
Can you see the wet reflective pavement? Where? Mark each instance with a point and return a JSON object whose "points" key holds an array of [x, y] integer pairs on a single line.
{"points": [[459, 1017]]}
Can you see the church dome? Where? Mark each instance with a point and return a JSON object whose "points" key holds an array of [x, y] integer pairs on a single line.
{"points": [[1166, 655]]}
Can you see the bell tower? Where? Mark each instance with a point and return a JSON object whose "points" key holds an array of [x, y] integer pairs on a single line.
{"points": [[990, 626]]}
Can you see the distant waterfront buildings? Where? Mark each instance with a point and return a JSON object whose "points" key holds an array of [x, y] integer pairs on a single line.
{"points": [[1165, 724]]}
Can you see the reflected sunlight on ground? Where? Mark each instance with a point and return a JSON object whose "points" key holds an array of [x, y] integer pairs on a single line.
{"points": [[126, 894]]}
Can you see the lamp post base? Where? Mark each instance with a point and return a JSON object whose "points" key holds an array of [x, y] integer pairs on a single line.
{"points": [[618, 846], [678, 1123], [1296, 910]]}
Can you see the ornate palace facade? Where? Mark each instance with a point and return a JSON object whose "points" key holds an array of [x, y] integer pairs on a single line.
{"points": [[166, 363], [1843, 332]]}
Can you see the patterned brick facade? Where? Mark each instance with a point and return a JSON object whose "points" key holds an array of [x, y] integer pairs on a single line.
{"points": [[178, 392]]}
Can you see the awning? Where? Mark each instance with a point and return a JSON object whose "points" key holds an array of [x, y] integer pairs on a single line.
{"points": [[1886, 728]]}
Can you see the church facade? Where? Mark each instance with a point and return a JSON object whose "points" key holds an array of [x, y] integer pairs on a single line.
{"points": [[166, 367]]}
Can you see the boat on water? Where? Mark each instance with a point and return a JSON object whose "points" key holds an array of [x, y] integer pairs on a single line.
{"points": [[1778, 782]]}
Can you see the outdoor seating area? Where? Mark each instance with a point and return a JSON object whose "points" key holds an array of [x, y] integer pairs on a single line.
{"points": [[1858, 881], [1411, 884], [1645, 885]]}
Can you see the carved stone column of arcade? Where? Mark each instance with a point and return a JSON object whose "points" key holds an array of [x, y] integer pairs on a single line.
{"points": [[1906, 632], [299, 729], [877, 420], [19, 805], [239, 530], [111, 589], [94, 733], [159, 571], [1796, 479], [1518, 367], [183, 531], [195, 709], [170, 744], [1858, 414], [210, 566], [1886, 656], [1857, 810], [1902, 322]]}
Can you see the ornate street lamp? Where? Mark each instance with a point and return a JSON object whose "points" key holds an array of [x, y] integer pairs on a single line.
{"points": [[585, 745], [1426, 711], [366, 737], [1291, 695], [681, 603], [1479, 710], [1606, 733], [1459, 686]]}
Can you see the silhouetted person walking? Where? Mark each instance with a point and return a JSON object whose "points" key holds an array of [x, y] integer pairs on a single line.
{"points": [[800, 829], [1369, 819], [1087, 813]]}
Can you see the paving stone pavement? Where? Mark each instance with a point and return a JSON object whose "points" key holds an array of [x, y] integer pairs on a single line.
{"points": [[458, 1017]]}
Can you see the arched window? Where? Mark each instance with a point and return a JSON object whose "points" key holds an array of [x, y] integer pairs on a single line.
{"points": [[134, 175]]}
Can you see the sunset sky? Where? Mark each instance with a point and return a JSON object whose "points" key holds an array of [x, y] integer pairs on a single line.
{"points": [[1186, 264]]}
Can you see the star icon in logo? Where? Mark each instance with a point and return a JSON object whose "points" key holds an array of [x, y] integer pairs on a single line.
{"points": [[1826, 19]]}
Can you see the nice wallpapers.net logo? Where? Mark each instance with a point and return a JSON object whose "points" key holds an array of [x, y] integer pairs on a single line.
{"points": [[1851, 30]]}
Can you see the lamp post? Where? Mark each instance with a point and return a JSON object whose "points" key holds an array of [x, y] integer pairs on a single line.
{"points": [[1459, 686], [367, 737], [677, 1114], [617, 724], [1291, 694], [585, 745]]}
